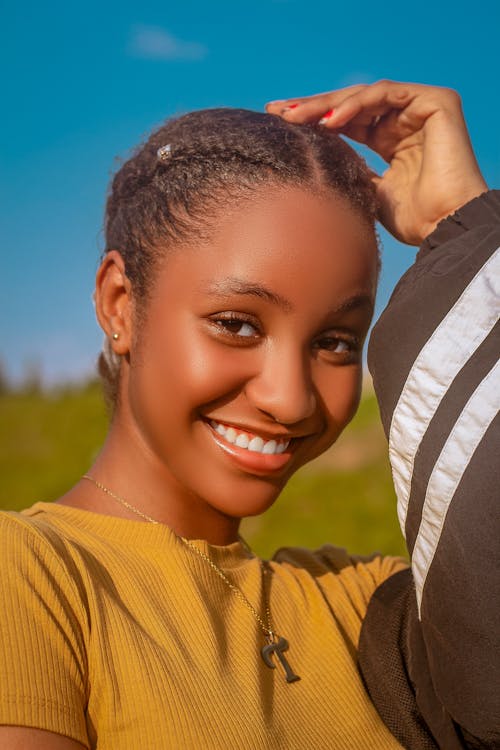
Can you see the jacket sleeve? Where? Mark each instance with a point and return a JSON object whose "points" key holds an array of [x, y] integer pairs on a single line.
{"points": [[430, 644]]}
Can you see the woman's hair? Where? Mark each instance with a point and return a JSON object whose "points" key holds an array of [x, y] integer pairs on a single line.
{"points": [[172, 189]]}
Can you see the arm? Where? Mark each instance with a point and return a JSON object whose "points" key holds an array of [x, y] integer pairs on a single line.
{"points": [[439, 391], [429, 649], [20, 738]]}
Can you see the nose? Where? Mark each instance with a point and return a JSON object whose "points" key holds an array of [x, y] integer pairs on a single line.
{"points": [[283, 387]]}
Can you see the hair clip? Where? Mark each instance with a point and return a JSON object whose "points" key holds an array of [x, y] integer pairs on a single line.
{"points": [[164, 152]]}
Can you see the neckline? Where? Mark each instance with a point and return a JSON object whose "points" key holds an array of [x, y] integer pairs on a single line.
{"points": [[137, 533]]}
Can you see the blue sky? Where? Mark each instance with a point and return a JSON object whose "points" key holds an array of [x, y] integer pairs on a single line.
{"points": [[83, 83]]}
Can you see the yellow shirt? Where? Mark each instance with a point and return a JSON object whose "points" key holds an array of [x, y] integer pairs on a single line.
{"points": [[113, 633]]}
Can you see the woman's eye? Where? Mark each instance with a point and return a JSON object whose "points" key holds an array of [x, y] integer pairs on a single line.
{"points": [[339, 346], [236, 327], [336, 345]]}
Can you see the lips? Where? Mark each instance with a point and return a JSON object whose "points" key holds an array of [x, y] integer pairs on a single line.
{"points": [[249, 451], [250, 441]]}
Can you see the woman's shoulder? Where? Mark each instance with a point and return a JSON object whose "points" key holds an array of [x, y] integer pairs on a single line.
{"points": [[34, 528], [66, 527], [40, 553], [44, 633], [334, 568], [32, 549], [22, 530], [330, 558], [37, 569]]}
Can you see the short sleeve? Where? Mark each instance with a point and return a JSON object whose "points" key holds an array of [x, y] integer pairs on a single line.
{"points": [[42, 646], [349, 581]]}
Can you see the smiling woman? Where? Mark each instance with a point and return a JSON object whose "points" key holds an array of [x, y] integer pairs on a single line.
{"points": [[219, 303], [235, 293], [255, 379]]}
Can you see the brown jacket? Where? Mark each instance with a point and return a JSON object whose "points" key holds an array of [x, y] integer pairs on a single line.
{"points": [[430, 644]]}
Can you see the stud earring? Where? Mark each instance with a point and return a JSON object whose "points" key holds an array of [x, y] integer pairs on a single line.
{"points": [[116, 336]]}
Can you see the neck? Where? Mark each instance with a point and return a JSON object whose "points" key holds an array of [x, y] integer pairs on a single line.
{"points": [[130, 469]]}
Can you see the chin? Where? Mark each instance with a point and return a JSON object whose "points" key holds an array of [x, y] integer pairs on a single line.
{"points": [[252, 500]]}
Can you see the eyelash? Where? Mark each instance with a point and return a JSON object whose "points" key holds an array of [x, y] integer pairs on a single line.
{"points": [[222, 323], [351, 342]]}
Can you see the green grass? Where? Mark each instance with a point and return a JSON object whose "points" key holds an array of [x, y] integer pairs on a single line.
{"points": [[48, 440], [352, 510]]}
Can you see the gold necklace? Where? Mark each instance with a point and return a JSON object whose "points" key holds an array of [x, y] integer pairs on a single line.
{"points": [[275, 644]]}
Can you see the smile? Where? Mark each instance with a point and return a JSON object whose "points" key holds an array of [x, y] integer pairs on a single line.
{"points": [[249, 441]]}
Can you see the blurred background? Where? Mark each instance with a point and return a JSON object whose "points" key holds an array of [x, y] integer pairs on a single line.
{"points": [[82, 85]]}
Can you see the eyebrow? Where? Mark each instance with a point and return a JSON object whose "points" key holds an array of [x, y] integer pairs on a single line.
{"points": [[232, 285], [358, 300]]}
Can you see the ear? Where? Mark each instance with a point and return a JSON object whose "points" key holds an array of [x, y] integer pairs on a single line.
{"points": [[113, 302]]}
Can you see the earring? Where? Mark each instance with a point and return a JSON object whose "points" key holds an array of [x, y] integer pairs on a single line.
{"points": [[116, 336]]}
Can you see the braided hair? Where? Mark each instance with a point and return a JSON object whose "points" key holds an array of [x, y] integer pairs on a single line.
{"points": [[173, 186]]}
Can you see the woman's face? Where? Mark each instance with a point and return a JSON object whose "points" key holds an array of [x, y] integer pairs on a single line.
{"points": [[248, 363]]}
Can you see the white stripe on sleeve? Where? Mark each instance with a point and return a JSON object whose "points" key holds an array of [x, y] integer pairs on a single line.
{"points": [[453, 460], [452, 344]]}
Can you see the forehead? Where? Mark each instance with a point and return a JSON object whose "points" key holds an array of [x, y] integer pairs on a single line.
{"points": [[300, 244]]}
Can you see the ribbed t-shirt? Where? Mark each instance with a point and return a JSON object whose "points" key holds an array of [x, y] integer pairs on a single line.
{"points": [[114, 633]]}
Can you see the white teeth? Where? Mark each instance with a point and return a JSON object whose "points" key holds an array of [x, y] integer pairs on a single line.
{"points": [[255, 444], [230, 435], [270, 447], [242, 440]]}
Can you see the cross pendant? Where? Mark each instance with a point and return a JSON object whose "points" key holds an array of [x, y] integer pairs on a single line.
{"points": [[278, 647]]}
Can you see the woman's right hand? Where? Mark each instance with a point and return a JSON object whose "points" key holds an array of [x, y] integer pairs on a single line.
{"points": [[420, 131]]}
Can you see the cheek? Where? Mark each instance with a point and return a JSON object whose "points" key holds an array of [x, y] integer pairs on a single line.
{"points": [[340, 392], [185, 369]]}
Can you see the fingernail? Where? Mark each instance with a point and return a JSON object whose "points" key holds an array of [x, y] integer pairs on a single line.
{"points": [[326, 117], [290, 106]]}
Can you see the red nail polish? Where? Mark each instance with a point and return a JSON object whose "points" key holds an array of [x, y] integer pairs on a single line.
{"points": [[292, 106], [326, 117]]}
